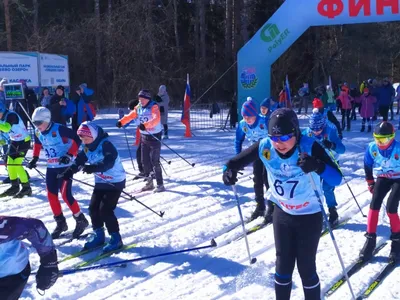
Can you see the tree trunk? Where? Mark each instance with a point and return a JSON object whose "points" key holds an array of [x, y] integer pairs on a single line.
{"points": [[36, 24], [98, 46], [237, 25], [245, 22], [228, 32], [203, 29], [176, 32], [8, 24]]}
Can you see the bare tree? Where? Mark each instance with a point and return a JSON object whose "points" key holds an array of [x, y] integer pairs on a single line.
{"points": [[176, 32], [98, 46], [8, 24], [228, 31], [203, 29]]}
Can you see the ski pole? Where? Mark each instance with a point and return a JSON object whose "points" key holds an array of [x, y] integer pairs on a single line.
{"points": [[160, 214], [118, 263], [314, 187], [162, 167], [129, 148], [181, 157], [251, 260], [167, 161]]}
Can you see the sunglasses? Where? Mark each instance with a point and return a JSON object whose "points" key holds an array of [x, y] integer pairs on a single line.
{"points": [[282, 138], [38, 123], [383, 139]]}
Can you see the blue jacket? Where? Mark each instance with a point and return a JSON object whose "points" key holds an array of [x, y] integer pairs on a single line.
{"points": [[385, 95], [253, 133]]}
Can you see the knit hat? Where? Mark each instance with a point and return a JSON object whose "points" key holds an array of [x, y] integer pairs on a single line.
{"points": [[317, 120], [144, 94], [88, 129], [41, 114], [317, 103], [283, 121], [384, 128], [266, 103], [60, 87], [366, 90], [249, 108]]}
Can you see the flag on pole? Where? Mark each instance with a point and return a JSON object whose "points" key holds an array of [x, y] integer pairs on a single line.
{"points": [[330, 82], [289, 97], [185, 119]]}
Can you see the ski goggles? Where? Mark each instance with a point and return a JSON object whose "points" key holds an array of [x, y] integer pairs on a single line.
{"points": [[383, 139], [38, 123], [282, 138]]}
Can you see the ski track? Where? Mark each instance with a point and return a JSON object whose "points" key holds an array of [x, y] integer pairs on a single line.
{"points": [[198, 208]]}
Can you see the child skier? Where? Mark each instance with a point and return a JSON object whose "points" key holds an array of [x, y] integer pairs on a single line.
{"points": [[289, 157], [105, 163], [382, 157], [148, 114], [254, 128], [265, 110], [20, 141], [326, 134], [14, 256], [61, 145], [317, 103]]}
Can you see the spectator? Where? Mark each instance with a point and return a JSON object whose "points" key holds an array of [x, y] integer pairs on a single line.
{"points": [[367, 109], [83, 106], [304, 94], [29, 103], [233, 113], [346, 105], [163, 104], [58, 106], [397, 98], [2, 95], [385, 99], [355, 94], [45, 98]]}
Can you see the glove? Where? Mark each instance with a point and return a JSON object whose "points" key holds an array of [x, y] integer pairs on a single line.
{"points": [[310, 164], [142, 127], [89, 169], [67, 175], [47, 274], [328, 144], [33, 163], [229, 176], [65, 160], [119, 124], [340, 136], [371, 185]]}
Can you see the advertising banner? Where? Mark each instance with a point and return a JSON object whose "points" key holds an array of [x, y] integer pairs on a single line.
{"points": [[54, 70], [16, 66]]}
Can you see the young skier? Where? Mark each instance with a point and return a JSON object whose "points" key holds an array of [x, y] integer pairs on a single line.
{"points": [[20, 142], [14, 256], [105, 163], [254, 128], [382, 157], [317, 103], [265, 110], [148, 114], [326, 135], [291, 160], [61, 145]]}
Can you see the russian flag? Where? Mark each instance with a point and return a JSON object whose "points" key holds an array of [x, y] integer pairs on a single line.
{"points": [[185, 119], [288, 96]]}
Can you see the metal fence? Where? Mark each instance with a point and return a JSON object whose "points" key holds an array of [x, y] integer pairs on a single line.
{"points": [[209, 116]]}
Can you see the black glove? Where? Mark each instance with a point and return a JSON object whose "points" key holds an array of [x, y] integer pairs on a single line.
{"points": [[142, 127], [89, 169], [65, 159], [229, 176], [119, 124], [47, 274], [328, 144], [340, 136], [33, 163], [310, 164]]}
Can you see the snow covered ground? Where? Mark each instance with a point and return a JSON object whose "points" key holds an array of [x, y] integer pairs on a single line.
{"points": [[198, 207]]}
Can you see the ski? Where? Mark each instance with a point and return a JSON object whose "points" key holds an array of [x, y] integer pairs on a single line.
{"points": [[67, 238], [389, 267], [104, 255], [326, 231], [353, 270], [254, 229], [80, 253]]}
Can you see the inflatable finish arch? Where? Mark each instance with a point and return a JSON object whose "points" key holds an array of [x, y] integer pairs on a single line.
{"points": [[288, 23]]}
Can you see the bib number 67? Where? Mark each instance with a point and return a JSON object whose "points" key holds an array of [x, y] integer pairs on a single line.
{"points": [[280, 190]]}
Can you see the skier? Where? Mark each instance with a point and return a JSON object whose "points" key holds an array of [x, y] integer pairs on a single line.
{"points": [[11, 123], [148, 114], [14, 256], [61, 145], [382, 157], [289, 157], [326, 135], [265, 110], [105, 163], [254, 128], [317, 103]]}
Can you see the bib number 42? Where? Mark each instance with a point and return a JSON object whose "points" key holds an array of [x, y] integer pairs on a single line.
{"points": [[283, 187]]}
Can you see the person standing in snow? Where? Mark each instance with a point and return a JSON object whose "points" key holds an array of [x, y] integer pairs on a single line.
{"points": [[254, 128], [317, 103], [346, 105], [367, 103], [61, 144], [105, 164], [288, 157], [325, 133], [14, 256], [163, 104], [148, 115], [382, 157], [265, 109], [304, 94]]}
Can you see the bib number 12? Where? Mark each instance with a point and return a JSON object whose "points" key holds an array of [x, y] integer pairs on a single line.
{"points": [[280, 190]]}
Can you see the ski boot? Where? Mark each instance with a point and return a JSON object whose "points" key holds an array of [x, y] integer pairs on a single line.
{"points": [[25, 191], [160, 188], [81, 224], [11, 191], [96, 240], [259, 211], [268, 215], [369, 246], [115, 243], [395, 249], [149, 185], [333, 217], [61, 226], [6, 180]]}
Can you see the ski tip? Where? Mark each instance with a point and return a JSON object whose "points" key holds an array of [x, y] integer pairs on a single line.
{"points": [[253, 261], [213, 243]]}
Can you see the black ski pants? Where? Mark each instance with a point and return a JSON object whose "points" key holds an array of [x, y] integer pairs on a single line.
{"points": [[101, 208], [11, 287], [381, 189], [139, 157], [151, 148], [259, 179], [296, 241], [384, 112], [346, 118]]}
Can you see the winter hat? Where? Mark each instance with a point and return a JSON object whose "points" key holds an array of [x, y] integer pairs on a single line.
{"points": [[41, 114], [283, 121], [60, 87], [266, 103], [83, 85], [162, 90], [88, 129], [249, 108], [317, 103], [317, 120], [144, 94], [366, 90], [384, 128]]}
